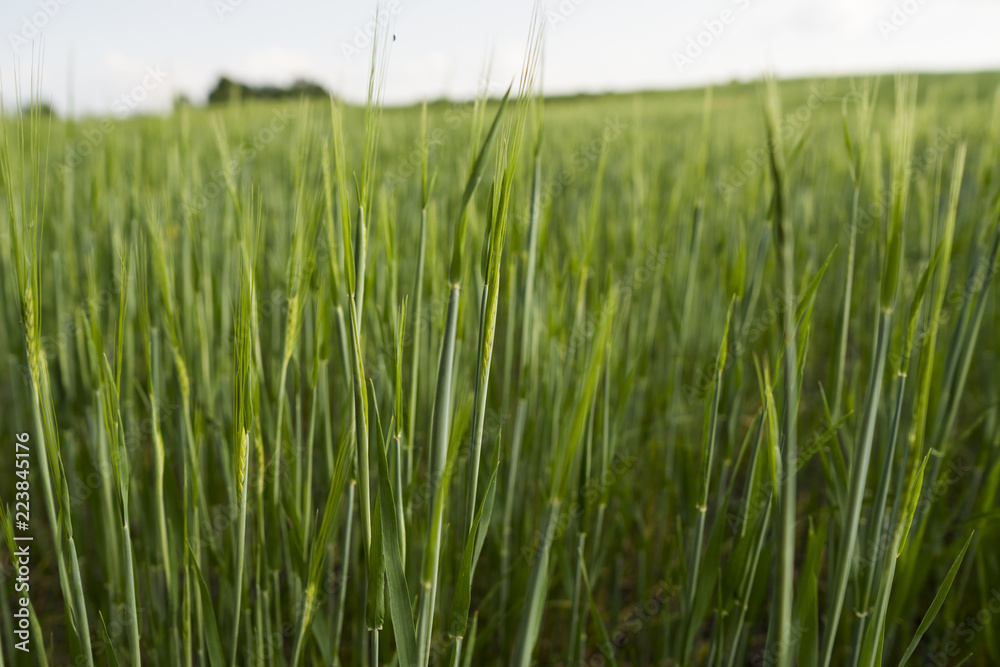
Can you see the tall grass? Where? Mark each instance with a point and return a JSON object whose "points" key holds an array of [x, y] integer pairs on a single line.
{"points": [[718, 390]]}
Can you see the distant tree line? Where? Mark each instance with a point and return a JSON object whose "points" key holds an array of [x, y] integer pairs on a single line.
{"points": [[228, 90]]}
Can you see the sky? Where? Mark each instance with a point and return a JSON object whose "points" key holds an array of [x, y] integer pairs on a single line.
{"points": [[135, 56]]}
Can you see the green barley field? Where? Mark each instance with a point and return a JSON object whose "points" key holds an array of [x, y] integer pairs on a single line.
{"points": [[704, 377]]}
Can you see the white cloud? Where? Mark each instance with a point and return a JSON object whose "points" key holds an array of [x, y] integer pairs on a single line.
{"points": [[276, 64], [121, 63]]}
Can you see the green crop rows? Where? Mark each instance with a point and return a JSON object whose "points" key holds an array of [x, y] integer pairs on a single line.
{"points": [[694, 378]]}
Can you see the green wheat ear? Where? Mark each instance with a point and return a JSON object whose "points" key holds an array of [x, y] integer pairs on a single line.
{"points": [[245, 373], [244, 388]]}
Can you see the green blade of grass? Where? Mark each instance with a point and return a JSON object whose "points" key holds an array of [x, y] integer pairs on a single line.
{"points": [[211, 629], [938, 601]]}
